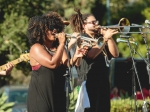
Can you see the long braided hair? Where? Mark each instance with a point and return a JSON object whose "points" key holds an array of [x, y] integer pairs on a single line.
{"points": [[76, 21]]}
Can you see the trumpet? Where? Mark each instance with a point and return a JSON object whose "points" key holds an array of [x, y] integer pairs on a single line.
{"points": [[124, 27], [85, 41]]}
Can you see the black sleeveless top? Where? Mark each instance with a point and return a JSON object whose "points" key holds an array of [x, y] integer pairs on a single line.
{"points": [[47, 90], [95, 72], [94, 66]]}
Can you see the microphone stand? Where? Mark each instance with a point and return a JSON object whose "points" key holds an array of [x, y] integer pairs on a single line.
{"points": [[134, 73], [144, 108], [147, 55], [68, 78], [147, 67]]}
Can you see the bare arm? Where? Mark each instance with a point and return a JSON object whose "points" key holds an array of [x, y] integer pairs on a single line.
{"points": [[75, 60], [113, 48], [71, 43], [96, 50], [78, 62], [40, 55], [107, 36], [73, 40]]}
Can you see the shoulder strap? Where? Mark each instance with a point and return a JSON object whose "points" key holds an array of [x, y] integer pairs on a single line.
{"points": [[49, 51]]}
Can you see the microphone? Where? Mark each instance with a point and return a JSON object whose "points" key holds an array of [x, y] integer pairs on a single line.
{"points": [[121, 40], [125, 36], [147, 22]]}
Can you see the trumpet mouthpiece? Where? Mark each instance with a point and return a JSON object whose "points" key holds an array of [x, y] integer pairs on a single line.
{"points": [[97, 27]]}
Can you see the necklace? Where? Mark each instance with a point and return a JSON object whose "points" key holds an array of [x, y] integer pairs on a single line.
{"points": [[49, 51]]}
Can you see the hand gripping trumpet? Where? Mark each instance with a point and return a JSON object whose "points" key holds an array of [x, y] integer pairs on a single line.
{"points": [[85, 41]]}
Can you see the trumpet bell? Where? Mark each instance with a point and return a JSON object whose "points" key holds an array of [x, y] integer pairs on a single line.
{"points": [[124, 25], [100, 41]]}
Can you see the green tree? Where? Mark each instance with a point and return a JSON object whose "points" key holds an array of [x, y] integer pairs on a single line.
{"points": [[136, 12], [13, 24], [14, 16]]}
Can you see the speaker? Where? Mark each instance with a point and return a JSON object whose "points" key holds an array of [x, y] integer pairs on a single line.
{"points": [[122, 74]]}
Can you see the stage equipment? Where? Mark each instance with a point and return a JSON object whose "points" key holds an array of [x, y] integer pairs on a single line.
{"points": [[145, 37], [135, 74], [125, 41], [147, 22]]}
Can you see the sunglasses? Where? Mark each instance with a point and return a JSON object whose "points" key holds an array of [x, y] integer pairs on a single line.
{"points": [[95, 22], [58, 29]]}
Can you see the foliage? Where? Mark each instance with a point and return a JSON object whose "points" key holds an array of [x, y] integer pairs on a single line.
{"points": [[124, 104], [73, 98], [14, 16], [5, 107], [13, 40], [131, 11], [14, 22], [127, 105]]}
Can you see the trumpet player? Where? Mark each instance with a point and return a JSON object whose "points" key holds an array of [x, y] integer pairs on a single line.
{"points": [[93, 67]]}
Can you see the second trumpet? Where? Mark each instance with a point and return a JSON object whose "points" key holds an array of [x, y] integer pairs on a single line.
{"points": [[85, 41]]}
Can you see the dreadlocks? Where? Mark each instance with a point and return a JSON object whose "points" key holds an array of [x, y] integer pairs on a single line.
{"points": [[76, 21], [85, 16]]}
